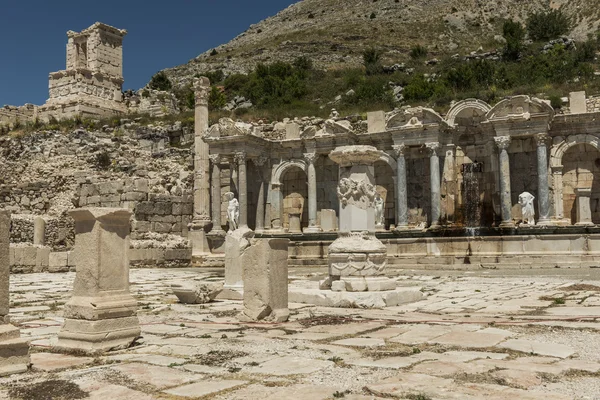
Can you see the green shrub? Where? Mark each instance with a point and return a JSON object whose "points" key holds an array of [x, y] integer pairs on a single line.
{"points": [[418, 51], [372, 61], [556, 102], [160, 81], [216, 99], [514, 33], [547, 25]]}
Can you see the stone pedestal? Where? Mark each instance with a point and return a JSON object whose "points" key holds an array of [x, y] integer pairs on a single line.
{"points": [[236, 243], [329, 220], [14, 351], [584, 211], [266, 280], [295, 224], [357, 259], [101, 315]]}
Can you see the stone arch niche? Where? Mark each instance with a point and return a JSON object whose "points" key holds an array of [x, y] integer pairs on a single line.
{"points": [[291, 180], [575, 165], [474, 176], [469, 112]]}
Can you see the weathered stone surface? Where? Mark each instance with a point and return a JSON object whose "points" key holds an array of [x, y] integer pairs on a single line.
{"points": [[204, 388], [101, 314], [200, 293], [291, 366], [544, 349], [265, 275], [14, 351]]}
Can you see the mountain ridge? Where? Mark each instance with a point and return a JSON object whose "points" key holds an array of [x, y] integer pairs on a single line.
{"points": [[335, 33]]}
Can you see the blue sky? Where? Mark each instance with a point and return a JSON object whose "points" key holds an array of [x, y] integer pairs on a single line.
{"points": [[160, 34]]}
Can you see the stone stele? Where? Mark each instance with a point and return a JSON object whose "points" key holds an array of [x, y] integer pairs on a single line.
{"points": [[236, 243], [265, 272], [14, 351], [101, 315]]}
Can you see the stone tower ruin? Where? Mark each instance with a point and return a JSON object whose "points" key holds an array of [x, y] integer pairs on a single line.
{"points": [[91, 85]]}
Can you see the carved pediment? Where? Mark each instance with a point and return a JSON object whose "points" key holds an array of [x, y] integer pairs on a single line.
{"points": [[413, 118], [337, 127], [519, 108]]}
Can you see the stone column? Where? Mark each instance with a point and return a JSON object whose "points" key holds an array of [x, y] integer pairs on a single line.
{"points": [[101, 315], [542, 169], [260, 206], [434, 171], [504, 169], [201, 218], [39, 231], [584, 211], [14, 351], [313, 227], [216, 194], [401, 192], [240, 159]]}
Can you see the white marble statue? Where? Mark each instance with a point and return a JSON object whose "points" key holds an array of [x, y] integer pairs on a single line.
{"points": [[378, 209], [527, 209], [233, 211]]}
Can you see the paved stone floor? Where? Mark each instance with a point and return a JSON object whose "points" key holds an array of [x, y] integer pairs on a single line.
{"points": [[475, 336]]}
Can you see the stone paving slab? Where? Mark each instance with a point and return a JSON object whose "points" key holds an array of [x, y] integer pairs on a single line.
{"points": [[469, 339], [156, 376], [291, 366], [360, 342], [544, 349], [55, 362], [203, 388], [293, 392]]}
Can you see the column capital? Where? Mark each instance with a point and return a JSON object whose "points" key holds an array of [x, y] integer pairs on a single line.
{"points": [[201, 90], [215, 158], [557, 169], [541, 139], [311, 157], [240, 157], [399, 149], [261, 160], [433, 148], [502, 142]]}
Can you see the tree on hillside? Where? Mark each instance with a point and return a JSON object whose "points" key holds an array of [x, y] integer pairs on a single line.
{"points": [[160, 81], [372, 61], [513, 33], [548, 25]]}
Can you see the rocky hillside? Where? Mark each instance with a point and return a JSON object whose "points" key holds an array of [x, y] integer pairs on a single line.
{"points": [[334, 33]]}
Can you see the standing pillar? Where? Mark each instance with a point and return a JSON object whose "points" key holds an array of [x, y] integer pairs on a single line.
{"points": [[14, 351], [504, 169], [434, 170], [584, 211], [313, 227], [401, 192], [201, 218], [101, 315], [542, 169], [276, 207], [39, 231], [260, 206], [216, 194], [240, 159], [557, 177]]}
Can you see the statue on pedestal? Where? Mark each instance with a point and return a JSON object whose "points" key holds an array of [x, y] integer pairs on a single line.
{"points": [[233, 211], [379, 204], [527, 209]]}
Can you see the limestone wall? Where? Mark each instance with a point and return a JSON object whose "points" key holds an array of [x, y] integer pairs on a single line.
{"points": [[10, 114]]}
